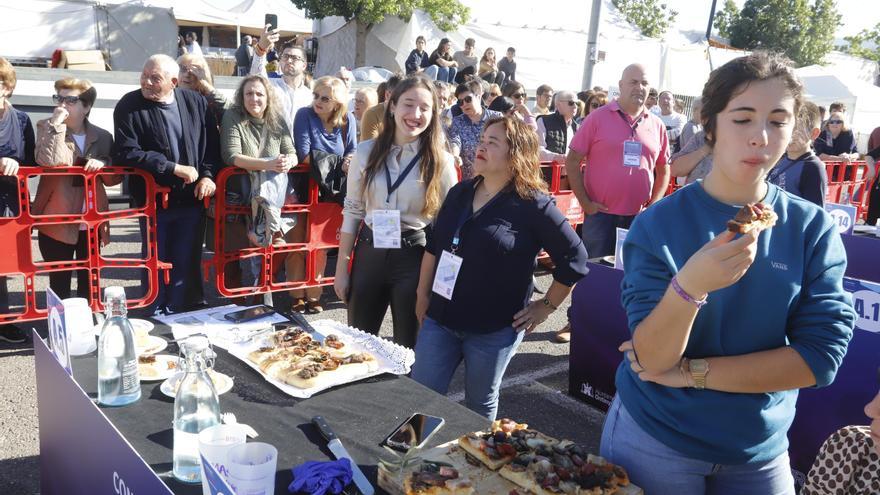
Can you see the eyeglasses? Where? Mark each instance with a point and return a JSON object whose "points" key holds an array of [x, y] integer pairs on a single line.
{"points": [[519, 95], [72, 100], [291, 58], [570, 102], [190, 68], [324, 99], [835, 121], [466, 99]]}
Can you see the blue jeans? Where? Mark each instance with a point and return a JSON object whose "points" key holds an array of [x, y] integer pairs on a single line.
{"points": [[439, 351], [445, 74], [599, 232], [660, 470]]}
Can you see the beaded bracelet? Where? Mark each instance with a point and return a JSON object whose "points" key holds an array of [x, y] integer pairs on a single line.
{"points": [[687, 297]]}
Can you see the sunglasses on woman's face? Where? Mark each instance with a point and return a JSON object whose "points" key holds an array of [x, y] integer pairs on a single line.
{"points": [[570, 102], [838, 122], [324, 99], [58, 99], [519, 95]]}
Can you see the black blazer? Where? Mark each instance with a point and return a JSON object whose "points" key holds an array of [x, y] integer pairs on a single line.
{"points": [[141, 141]]}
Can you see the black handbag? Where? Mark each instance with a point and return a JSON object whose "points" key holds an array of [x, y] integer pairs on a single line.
{"points": [[326, 169]]}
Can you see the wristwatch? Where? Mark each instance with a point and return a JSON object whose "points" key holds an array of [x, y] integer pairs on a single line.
{"points": [[699, 368], [547, 303]]}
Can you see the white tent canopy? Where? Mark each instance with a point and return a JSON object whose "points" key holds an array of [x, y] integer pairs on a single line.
{"points": [[824, 85]]}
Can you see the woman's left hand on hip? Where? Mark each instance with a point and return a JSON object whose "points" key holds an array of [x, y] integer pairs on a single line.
{"points": [[531, 316]]}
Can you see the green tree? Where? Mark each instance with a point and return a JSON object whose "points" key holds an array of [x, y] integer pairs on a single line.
{"points": [[652, 17], [726, 18], [446, 14], [855, 44], [797, 28]]}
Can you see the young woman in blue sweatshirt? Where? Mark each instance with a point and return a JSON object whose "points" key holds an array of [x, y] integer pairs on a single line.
{"points": [[726, 328]]}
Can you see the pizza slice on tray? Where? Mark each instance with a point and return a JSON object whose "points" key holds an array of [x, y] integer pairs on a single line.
{"points": [[437, 478], [564, 468], [505, 440]]}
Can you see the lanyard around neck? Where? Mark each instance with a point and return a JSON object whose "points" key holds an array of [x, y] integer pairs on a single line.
{"points": [[393, 187]]}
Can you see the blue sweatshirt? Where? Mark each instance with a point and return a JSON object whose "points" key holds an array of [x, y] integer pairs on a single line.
{"points": [[792, 295]]}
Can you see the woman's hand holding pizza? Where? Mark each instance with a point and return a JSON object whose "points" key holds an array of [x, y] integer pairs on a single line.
{"points": [[720, 263]]}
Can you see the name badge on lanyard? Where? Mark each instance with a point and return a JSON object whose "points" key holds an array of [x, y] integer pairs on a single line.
{"points": [[386, 229], [447, 274], [632, 153]]}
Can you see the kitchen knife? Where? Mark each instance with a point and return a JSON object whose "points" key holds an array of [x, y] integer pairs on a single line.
{"points": [[335, 446]]}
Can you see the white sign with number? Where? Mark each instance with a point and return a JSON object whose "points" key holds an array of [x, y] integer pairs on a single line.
{"points": [[866, 303], [618, 248], [58, 330], [843, 215]]}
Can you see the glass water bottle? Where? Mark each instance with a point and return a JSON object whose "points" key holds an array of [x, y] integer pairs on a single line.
{"points": [[118, 381]]}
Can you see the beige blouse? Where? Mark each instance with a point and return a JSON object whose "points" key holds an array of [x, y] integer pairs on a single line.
{"points": [[409, 198]]}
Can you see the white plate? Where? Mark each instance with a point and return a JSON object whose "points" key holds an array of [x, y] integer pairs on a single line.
{"points": [[608, 259], [158, 370], [149, 345], [222, 383], [867, 229]]}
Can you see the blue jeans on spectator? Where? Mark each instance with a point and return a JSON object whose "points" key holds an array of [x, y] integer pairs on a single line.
{"points": [[599, 232], [445, 74], [660, 470], [439, 351], [176, 230]]}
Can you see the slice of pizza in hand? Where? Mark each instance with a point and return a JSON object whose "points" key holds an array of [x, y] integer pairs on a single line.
{"points": [[753, 216], [437, 478]]}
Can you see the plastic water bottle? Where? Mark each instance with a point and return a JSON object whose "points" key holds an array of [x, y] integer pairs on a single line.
{"points": [[196, 407], [118, 380]]}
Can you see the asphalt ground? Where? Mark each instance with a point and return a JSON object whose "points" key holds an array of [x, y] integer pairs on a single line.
{"points": [[534, 389]]}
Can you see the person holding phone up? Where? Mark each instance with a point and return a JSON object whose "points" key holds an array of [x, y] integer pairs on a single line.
{"points": [[474, 294], [396, 184]]}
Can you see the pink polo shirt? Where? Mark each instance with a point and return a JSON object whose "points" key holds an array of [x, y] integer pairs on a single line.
{"points": [[600, 139]]}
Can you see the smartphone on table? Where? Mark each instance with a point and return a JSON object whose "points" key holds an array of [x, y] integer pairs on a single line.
{"points": [[414, 432], [249, 314], [272, 21]]}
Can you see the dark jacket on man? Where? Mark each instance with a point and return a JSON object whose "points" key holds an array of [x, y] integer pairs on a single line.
{"points": [[416, 60], [556, 135], [142, 141]]}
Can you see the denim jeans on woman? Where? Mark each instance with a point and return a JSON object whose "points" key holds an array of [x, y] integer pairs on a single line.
{"points": [[439, 351], [660, 470]]}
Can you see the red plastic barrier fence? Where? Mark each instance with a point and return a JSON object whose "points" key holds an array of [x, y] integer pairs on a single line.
{"points": [[559, 189], [848, 184], [324, 222], [18, 258]]}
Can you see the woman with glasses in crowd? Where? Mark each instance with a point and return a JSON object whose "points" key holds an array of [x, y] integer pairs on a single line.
{"points": [[837, 142], [517, 92], [595, 100], [255, 138], [727, 327], [488, 69], [396, 184], [474, 293], [67, 139], [16, 149], [464, 133], [326, 127], [195, 74]]}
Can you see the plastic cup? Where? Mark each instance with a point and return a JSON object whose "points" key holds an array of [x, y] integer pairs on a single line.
{"points": [[215, 443], [80, 328], [252, 468]]}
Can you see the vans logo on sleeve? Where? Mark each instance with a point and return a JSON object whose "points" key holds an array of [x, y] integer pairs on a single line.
{"points": [[779, 266]]}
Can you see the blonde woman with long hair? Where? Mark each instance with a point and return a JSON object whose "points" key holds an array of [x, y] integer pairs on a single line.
{"points": [[407, 171], [326, 127], [474, 294]]}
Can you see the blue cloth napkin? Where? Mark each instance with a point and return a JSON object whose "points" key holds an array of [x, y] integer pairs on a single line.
{"points": [[318, 478]]}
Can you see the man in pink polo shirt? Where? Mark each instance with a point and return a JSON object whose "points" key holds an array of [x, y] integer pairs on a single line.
{"points": [[626, 150]]}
